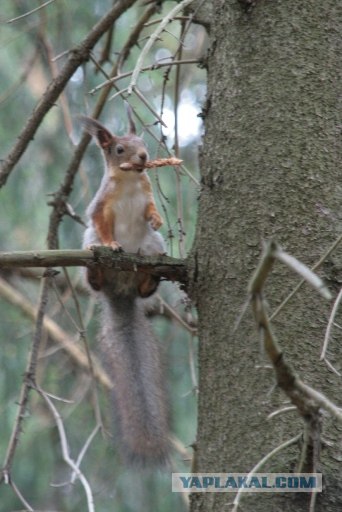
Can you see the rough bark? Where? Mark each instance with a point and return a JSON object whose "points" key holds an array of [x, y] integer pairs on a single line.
{"points": [[270, 168]]}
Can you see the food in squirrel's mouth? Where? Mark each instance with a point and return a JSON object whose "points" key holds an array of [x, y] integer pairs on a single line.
{"points": [[158, 162]]}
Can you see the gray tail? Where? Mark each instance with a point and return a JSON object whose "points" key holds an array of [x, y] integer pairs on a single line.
{"points": [[131, 355]]}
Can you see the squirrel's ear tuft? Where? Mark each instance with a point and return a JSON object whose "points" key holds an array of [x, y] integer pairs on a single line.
{"points": [[132, 129], [102, 136]]}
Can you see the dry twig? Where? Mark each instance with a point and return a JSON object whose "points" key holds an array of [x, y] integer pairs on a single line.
{"points": [[151, 164]]}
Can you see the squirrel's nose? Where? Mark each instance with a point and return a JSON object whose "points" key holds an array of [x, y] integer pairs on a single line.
{"points": [[142, 155]]}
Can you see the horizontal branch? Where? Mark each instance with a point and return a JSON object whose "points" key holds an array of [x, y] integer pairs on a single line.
{"points": [[173, 269]]}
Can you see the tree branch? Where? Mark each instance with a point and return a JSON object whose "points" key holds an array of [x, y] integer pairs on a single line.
{"points": [[173, 269], [76, 57]]}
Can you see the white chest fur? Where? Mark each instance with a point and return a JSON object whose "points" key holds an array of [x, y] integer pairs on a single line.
{"points": [[131, 227]]}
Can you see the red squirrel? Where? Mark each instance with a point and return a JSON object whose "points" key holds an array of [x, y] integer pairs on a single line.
{"points": [[123, 216]]}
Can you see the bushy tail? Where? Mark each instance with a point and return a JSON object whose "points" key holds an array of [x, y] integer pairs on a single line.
{"points": [[131, 356]]}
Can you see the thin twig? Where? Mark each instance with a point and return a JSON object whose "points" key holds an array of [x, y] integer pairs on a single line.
{"points": [[261, 463], [175, 18], [152, 39], [84, 339], [290, 408], [192, 363], [65, 451], [330, 324], [149, 106], [179, 195], [28, 68], [84, 451], [45, 4], [173, 313], [331, 367], [65, 309], [152, 67], [120, 92], [45, 42], [300, 284], [21, 497]]}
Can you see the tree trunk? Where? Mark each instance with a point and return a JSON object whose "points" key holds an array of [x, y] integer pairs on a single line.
{"points": [[270, 168]]}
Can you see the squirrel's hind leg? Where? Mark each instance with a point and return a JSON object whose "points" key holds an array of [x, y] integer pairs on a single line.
{"points": [[147, 284], [95, 278]]}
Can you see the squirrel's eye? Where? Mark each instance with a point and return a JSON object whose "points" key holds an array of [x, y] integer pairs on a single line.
{"points": [[119, 149]]}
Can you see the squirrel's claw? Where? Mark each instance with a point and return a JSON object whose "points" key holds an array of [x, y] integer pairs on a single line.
{"points": [[115, 246]]}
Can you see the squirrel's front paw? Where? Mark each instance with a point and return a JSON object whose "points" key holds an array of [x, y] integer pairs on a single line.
{"points": [[115, 246], [156, 221]]}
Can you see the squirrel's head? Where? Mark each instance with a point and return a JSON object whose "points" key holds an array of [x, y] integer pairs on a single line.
{"points": [[118, 150]]}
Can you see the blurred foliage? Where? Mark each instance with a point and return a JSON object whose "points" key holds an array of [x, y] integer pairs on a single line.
{"points": [[26, 48]]}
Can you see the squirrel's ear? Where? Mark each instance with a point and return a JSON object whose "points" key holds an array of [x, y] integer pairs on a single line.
{"points": [[102, 136], [132, 129]]}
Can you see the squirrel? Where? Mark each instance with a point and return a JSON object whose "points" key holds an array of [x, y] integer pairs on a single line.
{"points": [[123, 216]]}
